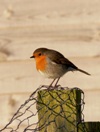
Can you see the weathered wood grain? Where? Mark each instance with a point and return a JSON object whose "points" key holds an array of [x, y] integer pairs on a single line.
{"points": [[59, 110], [23, 48], [36, 23], [48, 11]]}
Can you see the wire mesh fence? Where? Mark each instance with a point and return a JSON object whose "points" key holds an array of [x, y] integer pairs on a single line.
{"points": [[57, 110]]}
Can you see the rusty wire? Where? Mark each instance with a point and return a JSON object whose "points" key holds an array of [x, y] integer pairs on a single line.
{"points": [[26, 123]]}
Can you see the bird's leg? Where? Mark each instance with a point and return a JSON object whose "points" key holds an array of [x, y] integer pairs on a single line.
{"points": [[57, 82], [51, 83]]}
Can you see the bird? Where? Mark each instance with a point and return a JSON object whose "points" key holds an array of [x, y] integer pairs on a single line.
{"points": [[52, 64]]}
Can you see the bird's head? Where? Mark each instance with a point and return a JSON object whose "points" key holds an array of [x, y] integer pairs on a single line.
{"points": [[39, 53]]}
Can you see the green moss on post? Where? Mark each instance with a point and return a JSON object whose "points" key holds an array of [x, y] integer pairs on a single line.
{"points": [[59, 110], [89, 127]]}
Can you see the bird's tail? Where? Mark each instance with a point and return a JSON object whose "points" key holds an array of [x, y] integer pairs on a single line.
{"points": [[84, 72]]}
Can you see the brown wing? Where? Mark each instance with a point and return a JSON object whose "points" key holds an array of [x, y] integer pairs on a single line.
{"points": [[66, 62], [60, 59]]}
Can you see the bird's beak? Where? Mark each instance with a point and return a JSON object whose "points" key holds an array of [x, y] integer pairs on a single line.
{"points": [[32, 56]]}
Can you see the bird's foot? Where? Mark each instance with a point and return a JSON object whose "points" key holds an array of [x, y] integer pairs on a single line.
{"points": [[57, 87]]}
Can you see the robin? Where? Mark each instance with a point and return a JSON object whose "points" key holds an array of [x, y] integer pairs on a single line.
{"points": [[53, 64]]}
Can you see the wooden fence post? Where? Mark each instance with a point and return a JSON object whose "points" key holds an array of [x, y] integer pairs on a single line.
{"points": [[59, 110], [89, 127]]}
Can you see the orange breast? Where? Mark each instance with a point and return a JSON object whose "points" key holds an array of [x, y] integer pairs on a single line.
{"points": [[41, 63]]}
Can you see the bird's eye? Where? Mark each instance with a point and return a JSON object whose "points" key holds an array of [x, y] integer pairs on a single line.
{"points": [[39, 54]]}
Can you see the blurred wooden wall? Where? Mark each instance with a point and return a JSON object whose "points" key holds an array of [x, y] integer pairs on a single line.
{"points": [[71, 27]]}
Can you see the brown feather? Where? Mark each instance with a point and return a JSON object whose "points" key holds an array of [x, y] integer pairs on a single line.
{"points": [[84, 72]]}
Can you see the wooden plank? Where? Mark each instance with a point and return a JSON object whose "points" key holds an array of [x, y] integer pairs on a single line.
{"points": [[49, 11], [22, 76], [18, 49], [32, 26], [48, 24]]}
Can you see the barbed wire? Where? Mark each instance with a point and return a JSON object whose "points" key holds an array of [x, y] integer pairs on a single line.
{"points": [[56, 110]]}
